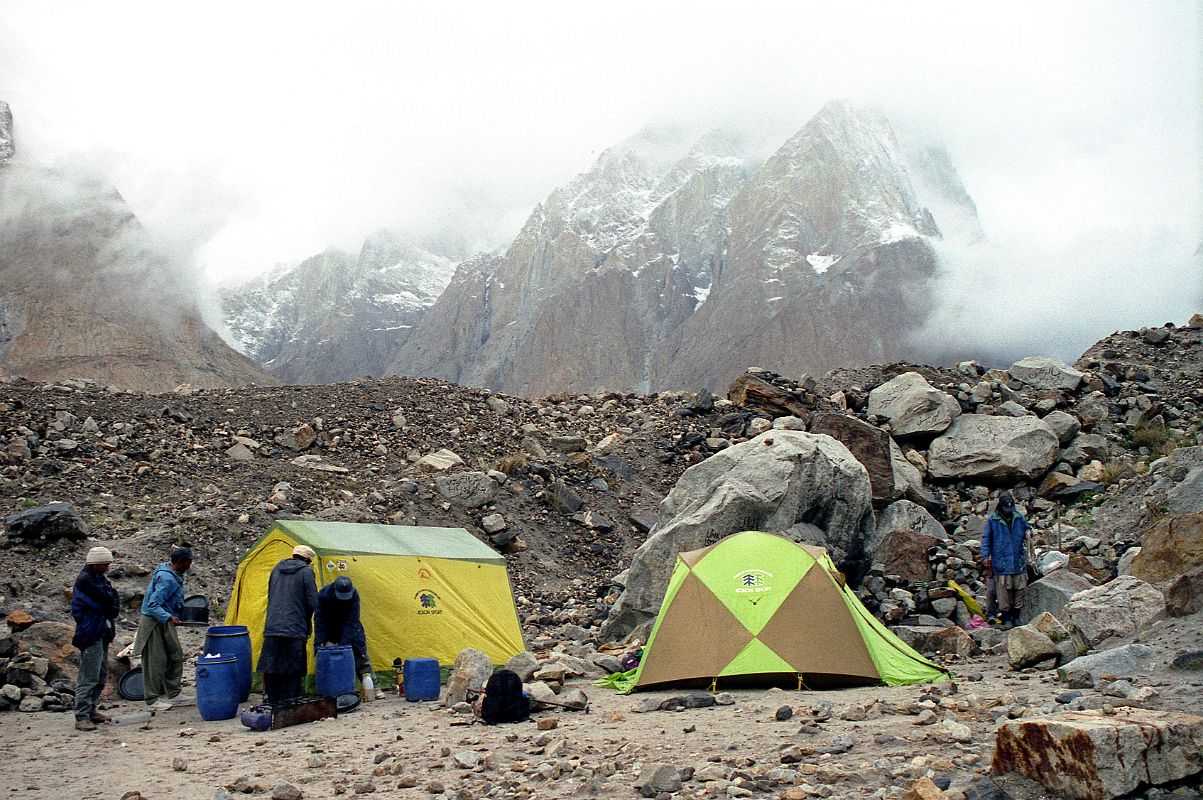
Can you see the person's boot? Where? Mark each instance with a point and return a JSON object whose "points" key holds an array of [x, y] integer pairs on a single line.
{"points": [[85, 725], [1015, 623]]}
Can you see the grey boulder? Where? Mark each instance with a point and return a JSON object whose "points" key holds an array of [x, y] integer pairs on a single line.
{"points": [[1042, 372], [993, 448], [913, 406], [807, 486]]}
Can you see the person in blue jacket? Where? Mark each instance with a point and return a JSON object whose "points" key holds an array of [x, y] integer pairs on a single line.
{"points": [[156, 642], [1005, 552], [336, 621], [94, 605]]}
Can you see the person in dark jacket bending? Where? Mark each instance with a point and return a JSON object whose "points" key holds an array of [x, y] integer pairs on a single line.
{"points": [[94, 605], [291, 601], [337, 622]]}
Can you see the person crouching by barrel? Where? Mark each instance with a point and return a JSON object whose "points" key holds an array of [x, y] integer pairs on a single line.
{"points": [[337, 622], [291, 601]]}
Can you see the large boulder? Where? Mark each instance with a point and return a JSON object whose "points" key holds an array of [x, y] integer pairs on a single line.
{"points": [[1027, 647], [1173, 546], [471, 671], [1122, 608], [1186, 497], [1066, 426], [47, 523], [904, 553], [1042, 372], [907, 516], [467, 489], [1096, 756], [944, 642], [1185, 595], [805, 486], [979, 447], [1118, 662], [913, 406], [1084, 448], [905, 533], [870, 446], [1051, 593]]}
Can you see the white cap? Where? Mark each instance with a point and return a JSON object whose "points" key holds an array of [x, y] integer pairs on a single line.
{"points": [[99, 555], [305, 552]]}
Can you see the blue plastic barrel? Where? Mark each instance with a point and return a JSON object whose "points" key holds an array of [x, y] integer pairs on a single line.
{"points": [[217, 687], [233, 640], [335, 666], [421, 677]]}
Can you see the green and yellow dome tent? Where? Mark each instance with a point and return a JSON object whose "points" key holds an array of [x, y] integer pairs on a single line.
{"points": [[756, 607]]}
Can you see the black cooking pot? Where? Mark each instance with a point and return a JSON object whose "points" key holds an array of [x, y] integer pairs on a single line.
{"points": [[195, 610]]}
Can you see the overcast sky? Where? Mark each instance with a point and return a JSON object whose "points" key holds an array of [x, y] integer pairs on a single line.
{"points": [[258, 133]]}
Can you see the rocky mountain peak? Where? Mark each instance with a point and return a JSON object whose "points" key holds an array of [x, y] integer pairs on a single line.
{"points": [[336, 315], [8, 147], [837, 185]]}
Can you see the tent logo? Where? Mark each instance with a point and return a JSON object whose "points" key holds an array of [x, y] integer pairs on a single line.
{"points": [[424, 574], [752, 581], [428, 602]]}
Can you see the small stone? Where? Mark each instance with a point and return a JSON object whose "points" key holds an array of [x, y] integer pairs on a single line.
{"points": [[179, 765], [548, 724], [19, 620], [783, 713], [286, 791]]}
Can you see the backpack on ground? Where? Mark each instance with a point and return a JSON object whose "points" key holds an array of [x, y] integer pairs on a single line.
{"points": [[504, 700]]}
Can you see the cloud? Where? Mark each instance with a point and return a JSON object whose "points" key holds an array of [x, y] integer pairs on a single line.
{"points": [[268, 134]]}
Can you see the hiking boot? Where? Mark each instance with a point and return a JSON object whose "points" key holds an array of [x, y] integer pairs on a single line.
{"points": [[379, 693], [84, 725], [183, 699], [160, 705], [99, 718]]}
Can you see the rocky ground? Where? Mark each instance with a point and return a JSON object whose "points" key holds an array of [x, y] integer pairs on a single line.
{"points": [[864, 742], [1103, 458]]}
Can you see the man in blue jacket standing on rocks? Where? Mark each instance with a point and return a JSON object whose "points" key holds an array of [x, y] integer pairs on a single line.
{"points": [[1005, 551], [291, 601], [157, 643], [94, 605]]}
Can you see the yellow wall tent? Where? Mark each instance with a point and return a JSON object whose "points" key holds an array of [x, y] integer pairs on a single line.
{"points": [[424, 592]]}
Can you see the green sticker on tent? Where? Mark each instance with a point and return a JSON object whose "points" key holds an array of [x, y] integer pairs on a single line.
{"points": [[753, 581]]}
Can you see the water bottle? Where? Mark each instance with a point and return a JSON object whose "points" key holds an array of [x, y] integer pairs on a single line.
{"points": [[369, 689], [135, 718]]}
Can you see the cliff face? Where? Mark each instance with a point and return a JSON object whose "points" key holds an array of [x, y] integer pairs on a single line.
{"points": [[336, 316], [84, 293], [669, 266]]}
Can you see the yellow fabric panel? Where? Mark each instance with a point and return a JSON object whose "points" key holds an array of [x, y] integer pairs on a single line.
{"points": [[415, 607]]}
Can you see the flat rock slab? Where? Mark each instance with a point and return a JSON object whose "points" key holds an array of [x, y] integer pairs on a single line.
{"points": [[1093, 756]]}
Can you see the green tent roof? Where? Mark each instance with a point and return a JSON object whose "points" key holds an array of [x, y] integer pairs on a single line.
{"points": [[348, 538]]}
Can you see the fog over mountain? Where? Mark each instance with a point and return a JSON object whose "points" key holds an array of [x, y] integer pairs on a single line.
{"points": [[1074, 130]]}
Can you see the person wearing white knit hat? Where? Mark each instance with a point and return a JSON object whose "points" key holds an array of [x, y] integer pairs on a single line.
{"points": [[291, 601], [94, 605]]}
